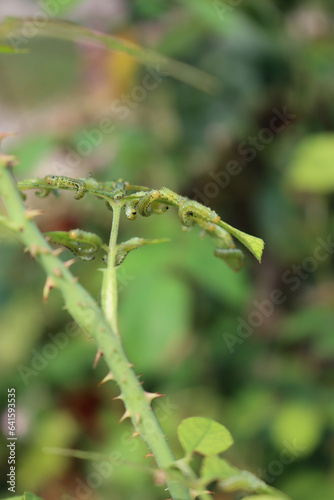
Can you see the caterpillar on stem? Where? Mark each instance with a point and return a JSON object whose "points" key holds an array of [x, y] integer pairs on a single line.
{"points": [[64, 182], [154, 201], [191, 210], [130, 209], [169, 196], [119, 190], [145, 202]]}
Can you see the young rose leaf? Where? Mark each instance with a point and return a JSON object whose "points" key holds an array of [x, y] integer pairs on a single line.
{"points": [[83, 244], [204, 436], [214, 469], [232, 479], [226, 249], [254, 245], [233, 257]]}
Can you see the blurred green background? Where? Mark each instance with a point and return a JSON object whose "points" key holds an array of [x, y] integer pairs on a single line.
{"points": [[253, 350]]}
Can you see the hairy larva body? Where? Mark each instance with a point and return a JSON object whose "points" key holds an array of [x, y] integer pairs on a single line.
{"points": [[119, 190], [62, 181], [154, 201], [191, 210], [145, 202], [168, 195]]}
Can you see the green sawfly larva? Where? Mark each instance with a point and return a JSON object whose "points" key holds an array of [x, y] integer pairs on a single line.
{"points": [[191, 210], [169, 196], [154, 201], [130, 209], [62, 181], [145, 202]]}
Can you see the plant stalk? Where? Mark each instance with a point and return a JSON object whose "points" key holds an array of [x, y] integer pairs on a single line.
{"points": [[109, 294], [90, 318]]}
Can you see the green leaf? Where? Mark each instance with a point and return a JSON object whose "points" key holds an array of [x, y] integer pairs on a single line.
{"points": [[214, 468], [83, 244], [265, 497], [13, 26], [30, 496], [232, 479], [254, 245], [15, 498], [312, 165], [225, 250], [204, 436], [8, 49], [233, 257]]}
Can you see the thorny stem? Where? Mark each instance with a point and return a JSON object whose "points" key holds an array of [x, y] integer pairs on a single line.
{"points": [[90, 318], [109, 294]]}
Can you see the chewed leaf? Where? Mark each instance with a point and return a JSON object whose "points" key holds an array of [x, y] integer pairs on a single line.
{"points": [[132, 244], [13, 27], [83, 244], [254, 245], [233, 257], [204, 436], [231, 478], [225, 250]]}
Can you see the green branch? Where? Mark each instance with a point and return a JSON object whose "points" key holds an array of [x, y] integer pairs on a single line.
{"points": [[109, 295], [148, 201], [90, 318]]}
